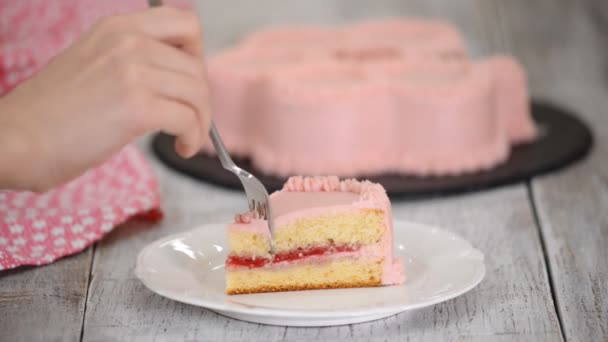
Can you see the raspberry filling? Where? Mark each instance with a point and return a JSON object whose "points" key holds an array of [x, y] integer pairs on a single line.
{"points": [[293, 255]]}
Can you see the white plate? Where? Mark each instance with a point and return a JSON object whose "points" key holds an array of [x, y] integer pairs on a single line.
{"points": [[189, 267]]}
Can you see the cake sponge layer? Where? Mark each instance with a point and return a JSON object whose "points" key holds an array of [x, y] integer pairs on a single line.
{"points": [[338, 273], [362, 227], [353, 228], [249, 244]]}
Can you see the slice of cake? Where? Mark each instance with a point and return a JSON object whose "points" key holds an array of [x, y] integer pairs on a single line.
{"points": [[328, 234]]}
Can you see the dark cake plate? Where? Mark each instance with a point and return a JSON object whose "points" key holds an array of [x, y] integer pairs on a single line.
{"points": [[563, 140]]}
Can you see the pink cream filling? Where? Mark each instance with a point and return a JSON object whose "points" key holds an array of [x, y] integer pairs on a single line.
{"points": [[291, 256]]}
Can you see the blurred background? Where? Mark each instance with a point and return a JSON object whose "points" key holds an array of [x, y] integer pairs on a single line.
{"points": [[557, 41]]}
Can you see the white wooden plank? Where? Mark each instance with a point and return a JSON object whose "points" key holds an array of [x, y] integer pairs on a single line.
{"points": [[572, 210], [565, 51], [45, 303]]}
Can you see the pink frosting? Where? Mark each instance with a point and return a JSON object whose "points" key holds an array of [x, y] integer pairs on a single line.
{"points": [[388, 96], [255, 226], [314, 196], [512, 88], [370, 195]]}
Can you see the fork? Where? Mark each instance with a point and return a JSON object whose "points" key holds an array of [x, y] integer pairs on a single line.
{"points": [[257, 196]]}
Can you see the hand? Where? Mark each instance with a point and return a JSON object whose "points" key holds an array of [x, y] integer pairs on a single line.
{"points": [[129, 75]]}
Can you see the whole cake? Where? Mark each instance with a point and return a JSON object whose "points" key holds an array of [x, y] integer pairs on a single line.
{"points": [[394, 96], [328, 234]]}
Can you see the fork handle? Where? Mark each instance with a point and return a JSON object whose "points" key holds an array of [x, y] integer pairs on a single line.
{"points": [[220, 149]]}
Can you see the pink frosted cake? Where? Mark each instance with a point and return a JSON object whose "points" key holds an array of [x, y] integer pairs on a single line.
{"points": [[397, 96], [328, 234]]}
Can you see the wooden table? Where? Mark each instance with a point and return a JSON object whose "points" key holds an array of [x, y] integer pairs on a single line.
{"points": [[546, 241]]}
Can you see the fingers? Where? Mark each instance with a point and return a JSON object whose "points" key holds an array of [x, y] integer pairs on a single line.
{"points": [[180, 87], [170, 58], [187, 91], [178, 119], [164, 46], [176, 27]]}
